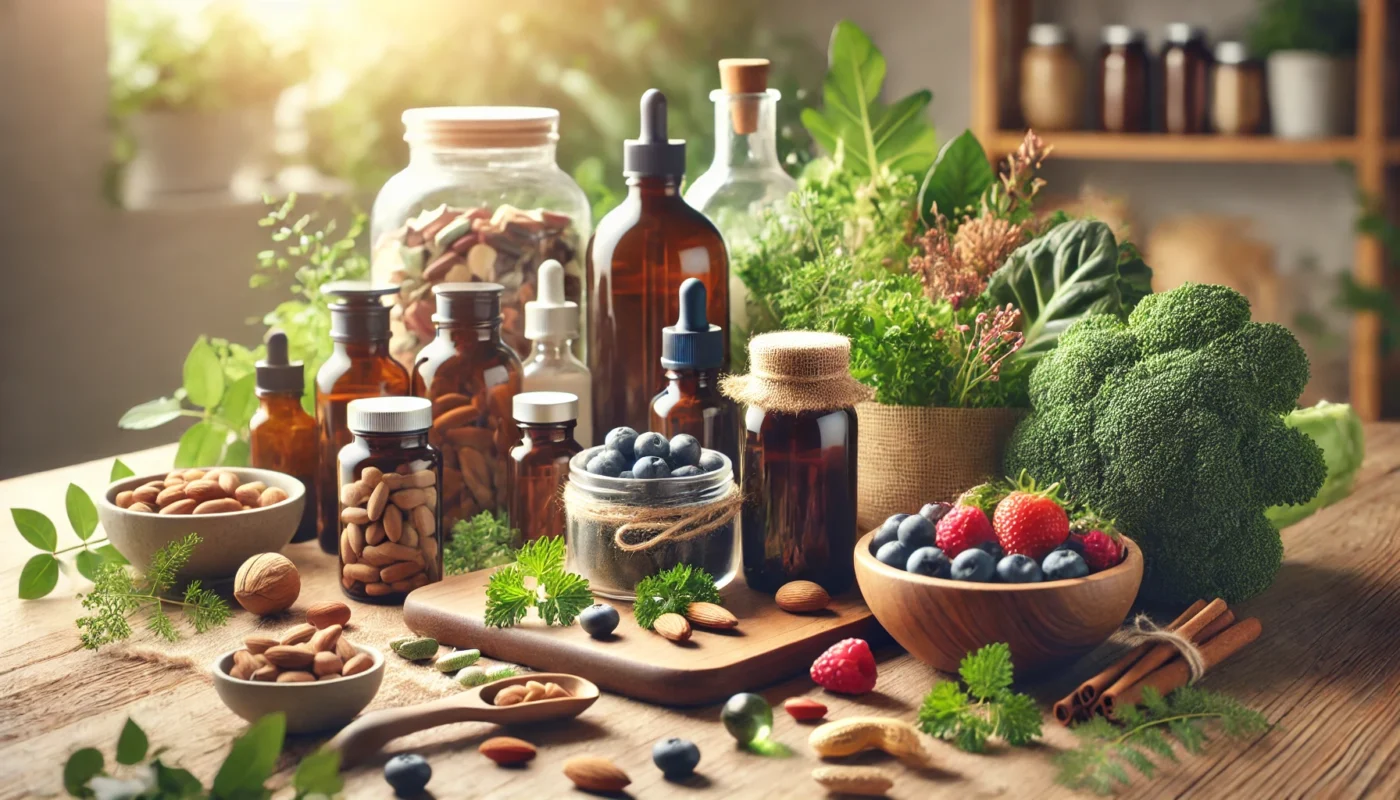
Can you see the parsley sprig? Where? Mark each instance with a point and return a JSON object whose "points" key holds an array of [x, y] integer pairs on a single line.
{"points": [[672, 592], [536, 580], [986, 708], [485, 540]]}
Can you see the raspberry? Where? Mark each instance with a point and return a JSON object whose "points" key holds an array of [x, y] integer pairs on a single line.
{"points": [[961, 528], [847, 667], [1101, 551]]}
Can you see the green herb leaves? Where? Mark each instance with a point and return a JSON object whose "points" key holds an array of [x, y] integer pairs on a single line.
{"points": [[672, 592], [40, 573], [485, 540], [536, 580], [955, 183], [117, 595], [854, 127], [986, 708], [204, 375]]}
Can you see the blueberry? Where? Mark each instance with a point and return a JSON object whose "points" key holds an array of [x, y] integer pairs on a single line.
{"points": [[915, 532], [408, 774], [676, 758], [711, 460], [626, 473], [888, 532], [684, 451], [608, 462], [973, 565], [1018, 568], [933, 512], [928, 561], [650, 467], [1064, 564], [992, 549], [686, 472], [651, 444], [895, 554], [598, 620], [1073, 543], [622, 440]]}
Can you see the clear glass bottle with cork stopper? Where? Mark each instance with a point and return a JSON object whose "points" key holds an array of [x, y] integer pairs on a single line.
{"points": [[359, 365], [281, 435], [539, 465], [745, 179], [471, 376], [637, 259], [691, 353], [552, 323]]}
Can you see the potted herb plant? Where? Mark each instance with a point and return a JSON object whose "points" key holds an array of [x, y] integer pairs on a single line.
{"points": [[191, 99], [1310, 47]]}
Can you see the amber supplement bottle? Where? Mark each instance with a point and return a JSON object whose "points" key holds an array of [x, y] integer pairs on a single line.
{"points": [[1185, 75], [390, 518], [539, 465], [281, 435], [1122, 80], [637, 259], [359, 366], [471, 377], [799, 463], [691, 353]]}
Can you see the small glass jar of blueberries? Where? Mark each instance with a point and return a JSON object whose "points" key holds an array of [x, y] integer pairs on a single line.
{"points": [[641, 503]]}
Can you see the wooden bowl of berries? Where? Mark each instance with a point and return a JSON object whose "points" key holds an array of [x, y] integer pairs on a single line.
{"points": [[1002, 565]]}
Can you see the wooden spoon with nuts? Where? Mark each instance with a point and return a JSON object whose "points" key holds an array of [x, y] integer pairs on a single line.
{"points": [[369, 732]]}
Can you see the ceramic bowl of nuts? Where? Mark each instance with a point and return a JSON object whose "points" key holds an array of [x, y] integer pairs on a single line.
{"points": [[315, 676], [238, 512]]}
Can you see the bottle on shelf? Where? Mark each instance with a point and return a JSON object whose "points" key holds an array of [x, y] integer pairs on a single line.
{"points": [[359, 365], [1122, 80], [552, 324], [1052, 82], [745, 179], [281, 435], [637, 259], [1237, 91], [1185, 71], [539, 465], [691, 353]]}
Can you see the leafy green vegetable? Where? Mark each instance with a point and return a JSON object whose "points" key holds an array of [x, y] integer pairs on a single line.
{"points": [[536, 580], [1335, 428], [986, 708], [117, 595], [855, 128], [671, 592], [1172, 425], [485, 540], [1105, 750], [954, 185]]}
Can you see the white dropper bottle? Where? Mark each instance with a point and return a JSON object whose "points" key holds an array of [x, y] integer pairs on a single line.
{"points": [[551, 323]]}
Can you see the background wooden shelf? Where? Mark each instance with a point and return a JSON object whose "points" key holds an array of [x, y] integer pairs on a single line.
{"points": [[1169, 147]]}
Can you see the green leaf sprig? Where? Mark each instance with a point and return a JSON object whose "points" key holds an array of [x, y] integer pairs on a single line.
{"points": [[486, 540], [1106, 750], [536, 580], [117, 595], [672, 592], [40, 573], [986, 708]]}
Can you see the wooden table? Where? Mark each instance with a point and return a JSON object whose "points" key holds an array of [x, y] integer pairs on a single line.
{"points": [[1327, 670]]}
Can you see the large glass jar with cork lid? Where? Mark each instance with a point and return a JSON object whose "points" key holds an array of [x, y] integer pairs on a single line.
{"points": [[481, 199]]}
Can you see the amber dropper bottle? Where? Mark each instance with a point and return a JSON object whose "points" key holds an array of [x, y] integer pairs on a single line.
{"points": [[692, 351], [637, 259], [359, 366], [281, 435]]}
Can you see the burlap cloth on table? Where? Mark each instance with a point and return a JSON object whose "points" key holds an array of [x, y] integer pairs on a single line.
{"points": [[910, 455]]}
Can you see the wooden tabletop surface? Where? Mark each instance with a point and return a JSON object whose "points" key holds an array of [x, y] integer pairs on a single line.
{"points": [[1326, 671]]}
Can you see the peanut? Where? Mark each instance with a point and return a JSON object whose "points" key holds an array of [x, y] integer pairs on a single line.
{"points": [[860, 781], [846, 737]]}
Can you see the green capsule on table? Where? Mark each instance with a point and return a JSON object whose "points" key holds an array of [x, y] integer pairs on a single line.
{"points": [[418, 649], [747, 717], [500, 673], [457, 659], [395, 644], [472, 676]]}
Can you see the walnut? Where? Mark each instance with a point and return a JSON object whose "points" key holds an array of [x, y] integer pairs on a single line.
{"points": [[267, 583]]}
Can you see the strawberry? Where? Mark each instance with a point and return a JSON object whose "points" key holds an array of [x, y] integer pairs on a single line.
{"points": [[1101, 550], [1031, 523], [847, 667], [961, 528]]}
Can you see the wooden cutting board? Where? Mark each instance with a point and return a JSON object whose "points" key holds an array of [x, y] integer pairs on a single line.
{"points": [[769, 644]]}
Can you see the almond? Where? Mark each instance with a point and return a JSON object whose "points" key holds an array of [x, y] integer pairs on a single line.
{"points": [[356, 664], [376, 557], [347, 553], [125, 499], [673, 627], [145, 508], [353, 494], [711, 615], [202, 490], [259, 644], [377, 500], [594, 774], [290, 656], [393, 480], [326, 663], [271, 496], [185, 506], [222, 505], [554, 691], [424, 521], [371, 476], [191, 475], [510, 695], [355, 516], [393, 523], [507, 750], [801, 596], [325, 639], [229, 483], [170, 495], [356, 535], [268, 673], [803, 709], [423, 478], [328, 613], [361, 572], [345, 650], [247, 494], [534, 690], [859, 781], [296, 676], [374, 533], [408, 499], [299, 634], [378, 589], [175, 481], [401, 570], [147, 494]]}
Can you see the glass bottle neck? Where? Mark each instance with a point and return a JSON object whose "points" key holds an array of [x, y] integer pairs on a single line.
{"points": [[407, 440], [469, 335], [694, 381], [540, 433], [756, 150], [553, 350], [424, 155], [372, 348], [660, 189], [280, 404]]}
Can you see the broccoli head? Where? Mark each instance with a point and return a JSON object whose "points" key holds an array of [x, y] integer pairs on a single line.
{"points": [[1172, 424]]}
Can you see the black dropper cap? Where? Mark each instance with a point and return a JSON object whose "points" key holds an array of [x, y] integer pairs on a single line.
{"points": [[692, 343], [652, 155], [275, 374], [358, 313]]}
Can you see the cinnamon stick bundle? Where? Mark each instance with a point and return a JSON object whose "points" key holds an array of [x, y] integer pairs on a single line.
{"points": [[1089, 691], [1162, 652], [1176, 674]]}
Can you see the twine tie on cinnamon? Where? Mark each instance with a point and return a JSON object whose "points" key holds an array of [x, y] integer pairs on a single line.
{"points": [[1145, 630], [644, 527]]}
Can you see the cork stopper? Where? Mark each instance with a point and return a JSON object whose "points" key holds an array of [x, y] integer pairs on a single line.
{"points": [[743, 76], [796, 371]]}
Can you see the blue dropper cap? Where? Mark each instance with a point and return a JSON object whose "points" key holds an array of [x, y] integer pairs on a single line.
{"points": [[692, 343]]}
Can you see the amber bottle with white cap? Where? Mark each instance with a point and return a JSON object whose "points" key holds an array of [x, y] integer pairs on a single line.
{"points": [[539, 465]]}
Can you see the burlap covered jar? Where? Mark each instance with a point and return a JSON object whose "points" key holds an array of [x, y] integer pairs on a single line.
{"points": [[799, 461]]}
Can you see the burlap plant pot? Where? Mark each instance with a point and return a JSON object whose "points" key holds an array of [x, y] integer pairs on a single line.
{"points": [[911, 455]]}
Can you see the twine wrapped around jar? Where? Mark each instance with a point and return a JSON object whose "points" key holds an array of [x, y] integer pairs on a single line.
{"points": [[796, 371], [655, 524]]}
